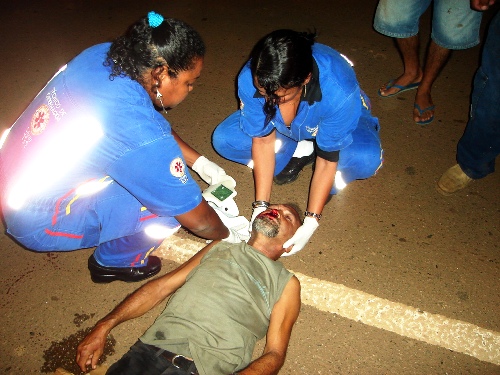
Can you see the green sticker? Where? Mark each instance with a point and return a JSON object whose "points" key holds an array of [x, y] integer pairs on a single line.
{"points": [[222, 192]]}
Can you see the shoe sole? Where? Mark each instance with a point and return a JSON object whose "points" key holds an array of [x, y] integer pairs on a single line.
{"points": [[443, 192], [105, 279]]}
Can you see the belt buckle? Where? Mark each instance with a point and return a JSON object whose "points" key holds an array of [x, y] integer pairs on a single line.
{"points": [[175, 357]]}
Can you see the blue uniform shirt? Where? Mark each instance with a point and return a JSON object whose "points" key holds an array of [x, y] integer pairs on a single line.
{"points": [[84, 126], [329, 113]]}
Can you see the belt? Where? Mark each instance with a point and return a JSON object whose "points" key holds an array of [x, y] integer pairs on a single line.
{"points": [[177, 360]]}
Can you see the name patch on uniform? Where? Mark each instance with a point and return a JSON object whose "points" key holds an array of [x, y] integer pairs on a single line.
{"points": [[178, 169], [40, 120], [312, 131]]}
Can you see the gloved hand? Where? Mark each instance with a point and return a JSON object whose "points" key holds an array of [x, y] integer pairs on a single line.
{"points": [[209, 172], [301, 236], [255, 213], [237, 225]]}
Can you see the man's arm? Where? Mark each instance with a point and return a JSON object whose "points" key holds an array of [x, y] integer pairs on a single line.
{"points": [[283, 317], [136, 304]]}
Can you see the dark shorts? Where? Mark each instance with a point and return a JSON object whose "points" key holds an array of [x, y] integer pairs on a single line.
{"points": [[144, 359]]}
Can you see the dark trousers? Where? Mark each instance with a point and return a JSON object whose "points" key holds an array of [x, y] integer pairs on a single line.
{"points": [[480, 144], [143, 359]]}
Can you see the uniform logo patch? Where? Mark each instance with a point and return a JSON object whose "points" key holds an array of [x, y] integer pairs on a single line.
{"points": [[312, 131], [40, 120], [177, 168]]}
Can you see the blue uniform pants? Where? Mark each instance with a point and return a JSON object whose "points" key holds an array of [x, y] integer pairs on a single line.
{"points": [[480, 144], [111, 219], [361, 159]]}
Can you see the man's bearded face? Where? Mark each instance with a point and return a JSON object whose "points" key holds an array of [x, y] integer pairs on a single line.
{"points": [[267, 223]]}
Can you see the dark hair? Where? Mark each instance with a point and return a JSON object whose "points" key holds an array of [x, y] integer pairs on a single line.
{"points": [[172, 43], [284, 59]]}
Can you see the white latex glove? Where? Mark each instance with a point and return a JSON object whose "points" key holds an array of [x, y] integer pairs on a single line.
{"points": [[255, 213], [237, 225], [209, 172], [301, 236]]}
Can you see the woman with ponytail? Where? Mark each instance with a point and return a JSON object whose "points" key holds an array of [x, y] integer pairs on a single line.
{"points": [[300, 103], [93, 162]]}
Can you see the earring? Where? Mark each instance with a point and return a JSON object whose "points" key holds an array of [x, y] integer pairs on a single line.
{"points": [[158, 94], [305, 90]]}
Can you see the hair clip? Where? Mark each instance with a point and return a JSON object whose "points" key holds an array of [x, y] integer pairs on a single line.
{"points": [[154, 19]]}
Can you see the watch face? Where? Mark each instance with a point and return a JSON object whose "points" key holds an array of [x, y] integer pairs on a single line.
{"points": [[222, 192]]}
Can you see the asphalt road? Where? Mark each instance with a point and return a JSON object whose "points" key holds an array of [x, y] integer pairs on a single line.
{"points": [[397, 280]]}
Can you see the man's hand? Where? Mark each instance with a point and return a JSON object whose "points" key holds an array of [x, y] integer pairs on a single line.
{"points": [[481, 5], [91, 348], [209, 172], [301, 236]]}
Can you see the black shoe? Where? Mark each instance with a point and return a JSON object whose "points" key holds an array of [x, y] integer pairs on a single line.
{"points": [[292, 169], [101, 274]]}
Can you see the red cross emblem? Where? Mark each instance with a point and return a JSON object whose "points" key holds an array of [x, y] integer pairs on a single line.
{"points": [[177, 168], [40, 120]]}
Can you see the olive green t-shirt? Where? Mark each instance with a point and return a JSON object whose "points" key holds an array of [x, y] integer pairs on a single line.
{"points": [[221, 311]]}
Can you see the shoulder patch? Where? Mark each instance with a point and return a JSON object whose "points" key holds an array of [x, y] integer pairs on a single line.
{"points": [[178, 168], [40, 120]]}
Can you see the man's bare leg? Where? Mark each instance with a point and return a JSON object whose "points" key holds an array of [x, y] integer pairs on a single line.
{"points": [[409, 49], [436, 59]]}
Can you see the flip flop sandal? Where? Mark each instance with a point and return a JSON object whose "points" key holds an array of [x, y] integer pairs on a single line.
{"points": [[390, 84], [422, 111]]}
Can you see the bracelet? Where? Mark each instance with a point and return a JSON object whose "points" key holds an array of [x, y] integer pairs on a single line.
{"points": [[257, 204], [312, 214]]}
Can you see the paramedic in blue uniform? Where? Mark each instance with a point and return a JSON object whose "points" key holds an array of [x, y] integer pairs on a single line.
{"points": [[92, 162], [300, 103]]}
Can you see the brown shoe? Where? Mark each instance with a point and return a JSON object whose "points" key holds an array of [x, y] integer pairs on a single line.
{"points": [[453, 180]]}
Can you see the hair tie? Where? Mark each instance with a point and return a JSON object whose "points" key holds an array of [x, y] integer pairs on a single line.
{"points": [[154, 19]]}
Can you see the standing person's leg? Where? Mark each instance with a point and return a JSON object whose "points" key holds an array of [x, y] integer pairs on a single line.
{"points": [[454, 26], [412, 71], [423, 111], [480, 144], [400, 20]]}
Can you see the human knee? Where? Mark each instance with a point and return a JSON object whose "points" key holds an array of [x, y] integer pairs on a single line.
{"points": [[219, 141]]}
